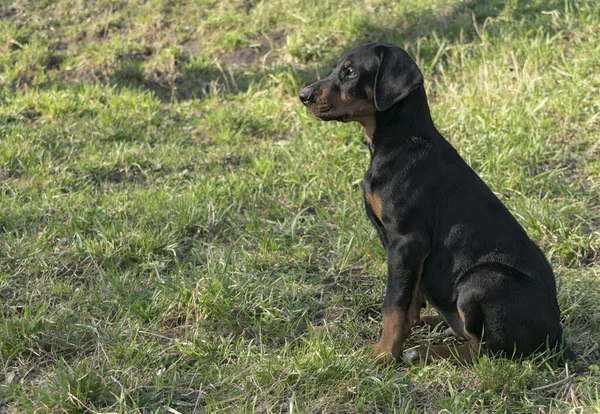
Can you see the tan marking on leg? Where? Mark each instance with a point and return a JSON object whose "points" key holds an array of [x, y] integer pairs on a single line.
{"points": [[392, 337], [461, 315], [396, 327], [376, 205], [473, 341]]}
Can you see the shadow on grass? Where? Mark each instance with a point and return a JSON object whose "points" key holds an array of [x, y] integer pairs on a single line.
{"points": [[191, 78]]}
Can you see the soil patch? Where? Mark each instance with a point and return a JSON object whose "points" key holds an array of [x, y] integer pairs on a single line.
{"points": [[265, 51]]}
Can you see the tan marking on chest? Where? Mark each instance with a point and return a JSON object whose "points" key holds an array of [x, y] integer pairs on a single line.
{"points": [[368, 121], [376, 205], [368, 124]]}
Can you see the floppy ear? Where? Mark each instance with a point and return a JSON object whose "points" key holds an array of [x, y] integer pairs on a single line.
{"points": [[397, 76]]}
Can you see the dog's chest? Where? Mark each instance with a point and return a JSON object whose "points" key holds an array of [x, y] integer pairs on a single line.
{"points": [[373, 200]]}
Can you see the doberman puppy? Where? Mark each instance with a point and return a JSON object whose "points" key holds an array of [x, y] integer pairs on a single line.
{"points": [[449, 239]]}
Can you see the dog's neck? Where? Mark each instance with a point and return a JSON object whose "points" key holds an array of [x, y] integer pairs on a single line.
{"points": [[406, 119]]}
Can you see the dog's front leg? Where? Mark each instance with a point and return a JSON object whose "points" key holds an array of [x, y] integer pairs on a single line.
{"points": [[401, 305]]}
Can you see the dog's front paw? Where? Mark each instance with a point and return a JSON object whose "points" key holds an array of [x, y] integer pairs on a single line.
{"points": [[383, 355]]}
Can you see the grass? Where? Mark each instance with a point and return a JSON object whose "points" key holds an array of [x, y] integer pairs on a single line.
{"points": [[177, 234]]}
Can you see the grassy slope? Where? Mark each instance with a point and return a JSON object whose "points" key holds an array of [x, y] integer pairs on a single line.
{"points": [[176, 231]]}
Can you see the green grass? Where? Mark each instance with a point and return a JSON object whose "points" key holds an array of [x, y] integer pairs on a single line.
{"points": [[178, 233]]}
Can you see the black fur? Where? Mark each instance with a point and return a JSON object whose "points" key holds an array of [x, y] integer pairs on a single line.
{"points": [[441, 225]]}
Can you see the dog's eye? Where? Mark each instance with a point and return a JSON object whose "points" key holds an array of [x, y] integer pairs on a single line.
{"points": [[350, 73]]}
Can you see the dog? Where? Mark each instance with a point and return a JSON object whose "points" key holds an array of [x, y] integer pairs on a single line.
{"points": [[449, 240]]}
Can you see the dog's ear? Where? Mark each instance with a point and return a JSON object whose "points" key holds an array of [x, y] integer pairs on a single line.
{"points": [[397, 76]]}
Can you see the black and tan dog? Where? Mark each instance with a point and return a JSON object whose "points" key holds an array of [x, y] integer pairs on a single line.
{"points": [[449, 240]]}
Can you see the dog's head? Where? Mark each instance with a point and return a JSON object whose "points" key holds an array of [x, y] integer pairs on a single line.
{"points": [[367, 79]]}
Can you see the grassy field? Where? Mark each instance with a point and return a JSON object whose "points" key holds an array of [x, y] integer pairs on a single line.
{"points": [[177, 233]]}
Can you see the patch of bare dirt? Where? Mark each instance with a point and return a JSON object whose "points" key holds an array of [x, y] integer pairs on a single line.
{"points": [[264, 51]]}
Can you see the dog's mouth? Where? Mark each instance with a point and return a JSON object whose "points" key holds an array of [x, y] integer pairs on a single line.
{"points": [[333, 117], [324, 111]]}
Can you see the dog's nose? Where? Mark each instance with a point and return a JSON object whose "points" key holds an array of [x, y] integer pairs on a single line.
{"points": [[306, 95]]}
